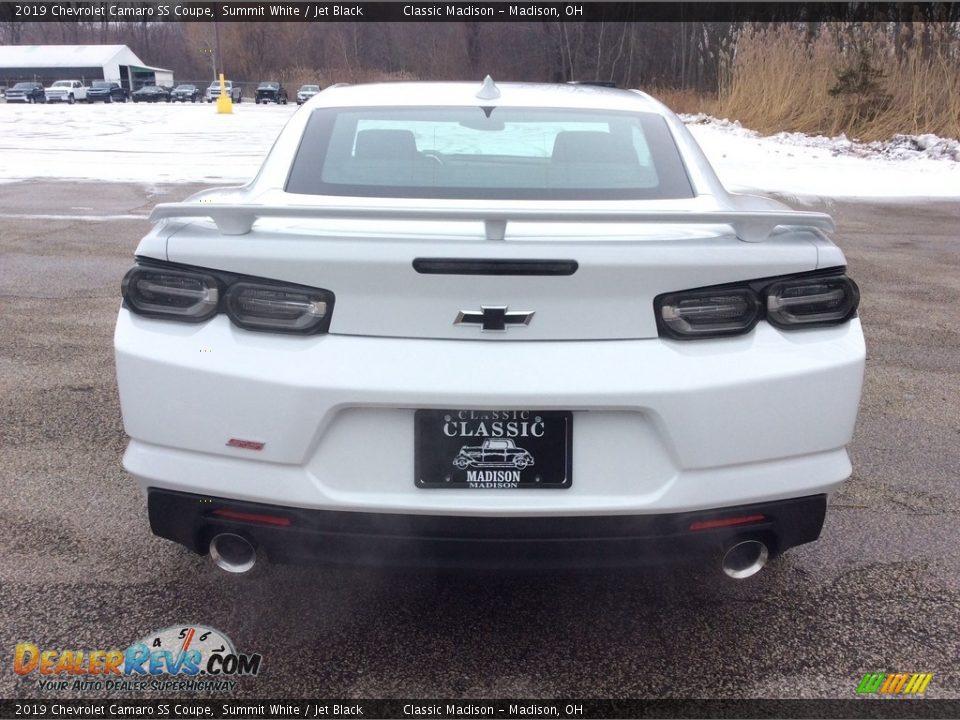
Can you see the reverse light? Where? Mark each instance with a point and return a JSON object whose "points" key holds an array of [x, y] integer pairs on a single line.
{"points": [[812, 301], [278, 308], [174, 294], [708, 313]]}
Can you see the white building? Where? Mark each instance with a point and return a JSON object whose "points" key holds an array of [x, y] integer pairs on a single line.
{"points": [[47, 63]]}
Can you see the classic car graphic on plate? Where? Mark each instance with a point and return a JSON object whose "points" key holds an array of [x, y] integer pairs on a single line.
{"points": [[496, 452]]}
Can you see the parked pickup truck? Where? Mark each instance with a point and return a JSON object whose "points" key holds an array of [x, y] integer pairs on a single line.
{"points": [[26, 92], [234, 91], [66, 91]]}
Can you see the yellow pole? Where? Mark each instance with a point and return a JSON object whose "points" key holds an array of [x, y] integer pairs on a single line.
{"points": [[224, 102]]}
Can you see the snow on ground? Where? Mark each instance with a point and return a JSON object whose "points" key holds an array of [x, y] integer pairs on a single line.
{"points": [[176, 143], [907, 166], [127, 142]]}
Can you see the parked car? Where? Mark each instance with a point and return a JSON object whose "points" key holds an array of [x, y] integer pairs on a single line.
{"points": [[234, 91], [182, 93], [26, 92], [107, 92], [302, 359], [68, 91], [306, 92], [271, 92], [151, 93]]}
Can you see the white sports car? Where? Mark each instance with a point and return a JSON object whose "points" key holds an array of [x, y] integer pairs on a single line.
{"points": [[419, 268]]}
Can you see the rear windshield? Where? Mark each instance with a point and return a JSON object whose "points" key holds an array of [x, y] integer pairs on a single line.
{"points": [[488, 153]]}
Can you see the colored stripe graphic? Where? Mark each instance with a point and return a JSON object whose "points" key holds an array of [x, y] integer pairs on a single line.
{"points": [[871, 682], [894, 683], [918, 683]]}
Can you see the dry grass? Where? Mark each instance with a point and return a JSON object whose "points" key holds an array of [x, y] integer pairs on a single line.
{"points": [[778, 80], [685, 101]]}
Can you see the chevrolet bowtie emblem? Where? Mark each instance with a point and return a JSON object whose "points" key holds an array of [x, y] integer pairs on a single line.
{"points": [[493, 318]]}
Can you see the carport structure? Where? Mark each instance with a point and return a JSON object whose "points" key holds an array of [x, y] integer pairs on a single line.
{"points": [[48, 63]]}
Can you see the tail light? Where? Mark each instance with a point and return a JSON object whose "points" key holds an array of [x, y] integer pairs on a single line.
{"points": [[709, 313], [195, 295], [789, 303], [805, 302], [175, 294], [275, 307]]}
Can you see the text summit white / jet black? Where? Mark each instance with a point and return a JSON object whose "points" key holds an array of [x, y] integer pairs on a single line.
{"points": [[487, 325]]}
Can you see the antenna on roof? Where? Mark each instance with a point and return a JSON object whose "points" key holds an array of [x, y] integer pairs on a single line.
{"points": [[489, 89]]}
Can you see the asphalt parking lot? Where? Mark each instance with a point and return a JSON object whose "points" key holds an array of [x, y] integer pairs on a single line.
{"points": [[79, 569]]}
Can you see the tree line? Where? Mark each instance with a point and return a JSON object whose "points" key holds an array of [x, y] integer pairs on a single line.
{"points": [[697, 55]]}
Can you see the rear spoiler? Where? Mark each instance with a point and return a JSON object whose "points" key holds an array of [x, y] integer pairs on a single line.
{"points": [[749, 225]]}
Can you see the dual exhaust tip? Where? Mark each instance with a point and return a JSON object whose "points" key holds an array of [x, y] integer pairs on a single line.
{"points": [[235, 554]]}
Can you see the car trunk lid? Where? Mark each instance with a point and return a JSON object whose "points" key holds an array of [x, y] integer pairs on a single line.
{"points": [[445, 279]]}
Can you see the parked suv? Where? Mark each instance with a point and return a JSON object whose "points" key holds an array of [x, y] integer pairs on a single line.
{"points": [[271, 92], [26, 92], [306, 92], [234, 91], [107, 91]]}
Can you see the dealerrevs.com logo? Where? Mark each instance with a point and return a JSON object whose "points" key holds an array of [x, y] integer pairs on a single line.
{"points": [[177, 658]]}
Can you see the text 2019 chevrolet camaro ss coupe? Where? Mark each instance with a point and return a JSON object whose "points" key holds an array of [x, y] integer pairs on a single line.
{"points": [[420, 269]]}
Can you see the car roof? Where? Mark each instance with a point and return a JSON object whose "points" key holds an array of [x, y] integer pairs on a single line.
{"points": [[560, 95]]}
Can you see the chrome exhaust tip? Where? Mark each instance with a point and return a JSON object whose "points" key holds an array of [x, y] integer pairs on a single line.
{"points": [[232, 553], [745, 559]]}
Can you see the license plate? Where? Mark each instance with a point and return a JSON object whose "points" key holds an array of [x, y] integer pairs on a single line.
{"points": [[493, 449]]}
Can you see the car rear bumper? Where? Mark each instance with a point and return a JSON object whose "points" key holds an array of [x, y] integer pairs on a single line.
{"points": [[287, 534], [327, 422]]}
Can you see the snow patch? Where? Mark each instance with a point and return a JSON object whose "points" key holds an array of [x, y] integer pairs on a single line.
{"points": [[900, 147], [817, 167]]}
